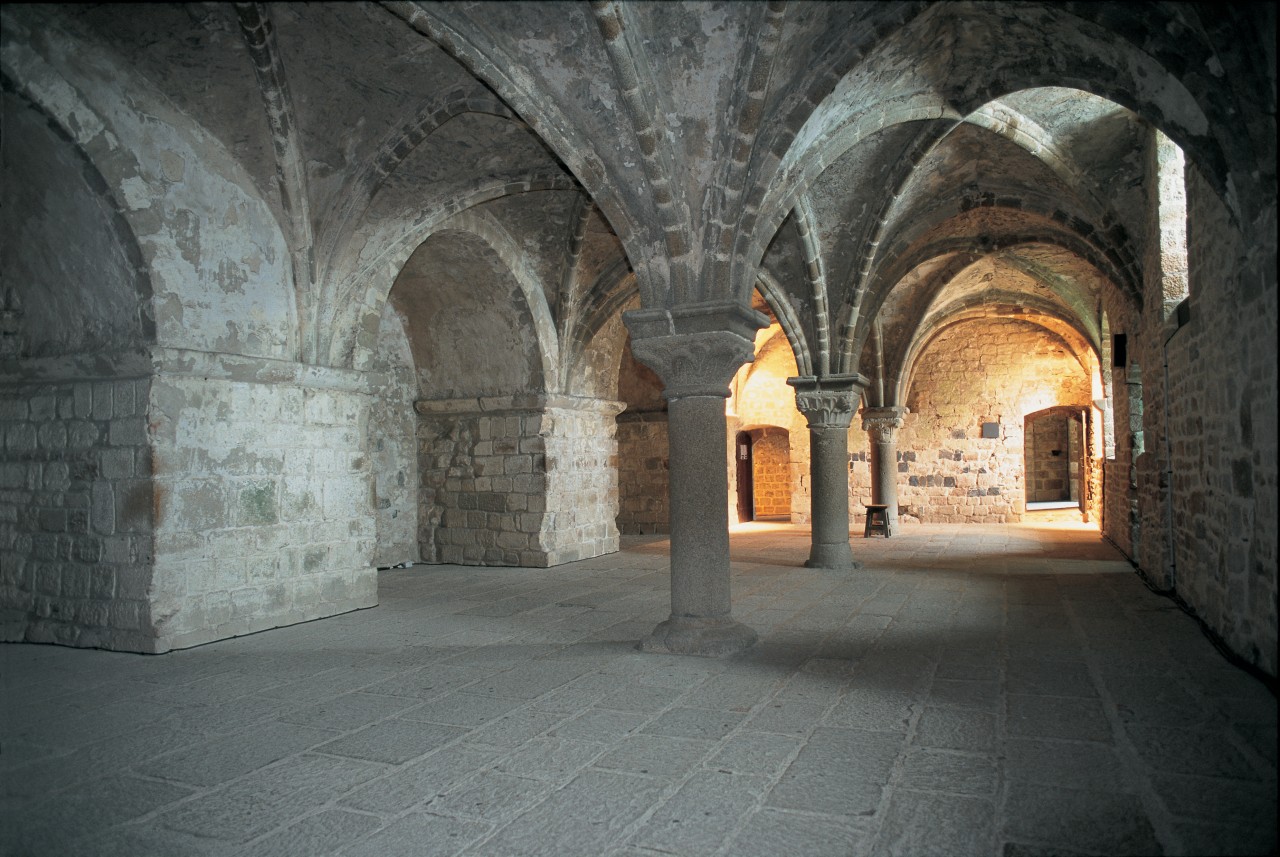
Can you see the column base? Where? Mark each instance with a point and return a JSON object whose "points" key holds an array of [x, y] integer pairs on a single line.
{"points": [[837, 556], [689, 635]]}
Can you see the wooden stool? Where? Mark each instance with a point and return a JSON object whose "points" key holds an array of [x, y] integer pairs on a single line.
{"points": [[877, 520]]}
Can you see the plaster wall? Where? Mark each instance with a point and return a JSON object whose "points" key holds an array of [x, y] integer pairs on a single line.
{"points": [[262, 496], [76, 502], [996, 370], [65, 302], [393, 445], [218, 266]]}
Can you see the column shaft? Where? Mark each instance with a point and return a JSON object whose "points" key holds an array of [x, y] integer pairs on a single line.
{"points": [[881, 426], [829, 479], [828, 403], [699, 503], [884, 475], [696, 350]]}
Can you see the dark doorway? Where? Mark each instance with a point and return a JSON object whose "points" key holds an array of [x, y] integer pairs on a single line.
{"points": [[746, 494]]}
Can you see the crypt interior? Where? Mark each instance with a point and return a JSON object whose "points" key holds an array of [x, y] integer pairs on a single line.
{"points": [[549, 355]]}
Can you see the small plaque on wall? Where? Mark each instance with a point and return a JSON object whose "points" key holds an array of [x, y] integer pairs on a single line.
{"points": [[991, 430]]}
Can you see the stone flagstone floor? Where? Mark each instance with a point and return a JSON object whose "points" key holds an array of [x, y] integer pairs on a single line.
{"points": [[986, 690]]}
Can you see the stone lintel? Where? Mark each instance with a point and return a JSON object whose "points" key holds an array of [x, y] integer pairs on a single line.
{"points": [[182, 362], [828, 401], [519, 403]]}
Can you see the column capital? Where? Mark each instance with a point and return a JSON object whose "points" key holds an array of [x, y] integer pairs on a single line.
{"points": [[883, 423], [695, 349], [829, 401]]}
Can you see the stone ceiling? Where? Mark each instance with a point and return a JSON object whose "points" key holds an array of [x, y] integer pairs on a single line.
{"points": [[874, 168]]}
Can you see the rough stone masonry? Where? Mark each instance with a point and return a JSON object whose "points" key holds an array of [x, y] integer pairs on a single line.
{"points": [[294, 291]]}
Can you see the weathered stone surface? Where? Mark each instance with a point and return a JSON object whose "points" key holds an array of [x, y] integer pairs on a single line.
{"points": [[219, 761], [1069, 206], [522, 481]]}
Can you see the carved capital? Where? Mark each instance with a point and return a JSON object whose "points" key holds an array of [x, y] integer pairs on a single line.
{"points": [[883, 423], [828, 402], [695, 364], [695, 349]]}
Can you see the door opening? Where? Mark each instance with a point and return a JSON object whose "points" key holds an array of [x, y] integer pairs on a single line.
{"points": [[746, 493]]}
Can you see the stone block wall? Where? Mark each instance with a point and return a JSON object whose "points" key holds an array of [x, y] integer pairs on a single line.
{"points": [[517, 480], [581, 458], [1222, 431], [263, 503], [1048, 477], [771, 473], [979, 371], [1121, 522], [859, 474], [1095, 455], [76, 513], [1119, 509], [643, 473]]}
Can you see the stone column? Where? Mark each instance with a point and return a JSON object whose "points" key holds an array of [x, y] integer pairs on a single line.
{"points": [[882, 425], [828, 404], [696, 352]]}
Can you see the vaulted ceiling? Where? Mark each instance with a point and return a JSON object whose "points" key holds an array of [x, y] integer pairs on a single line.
{"points": [[875, 169]]}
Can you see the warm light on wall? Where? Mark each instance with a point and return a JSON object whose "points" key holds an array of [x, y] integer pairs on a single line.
{"points": [[759, 394]]}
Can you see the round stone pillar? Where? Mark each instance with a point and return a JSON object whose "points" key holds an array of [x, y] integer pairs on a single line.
{"points": [[696, 353], [881, 426], [828, 404]]}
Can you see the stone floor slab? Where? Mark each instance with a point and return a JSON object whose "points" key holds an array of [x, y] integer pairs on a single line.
{"points": [[919, 825], [580, 820], [231, 756], [418, 834], [772, 832], [655, 755], [393, 741], [410, 785], [702, 814], [1098, 721], [325, 833], [929, 770], [1091, 821]]}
